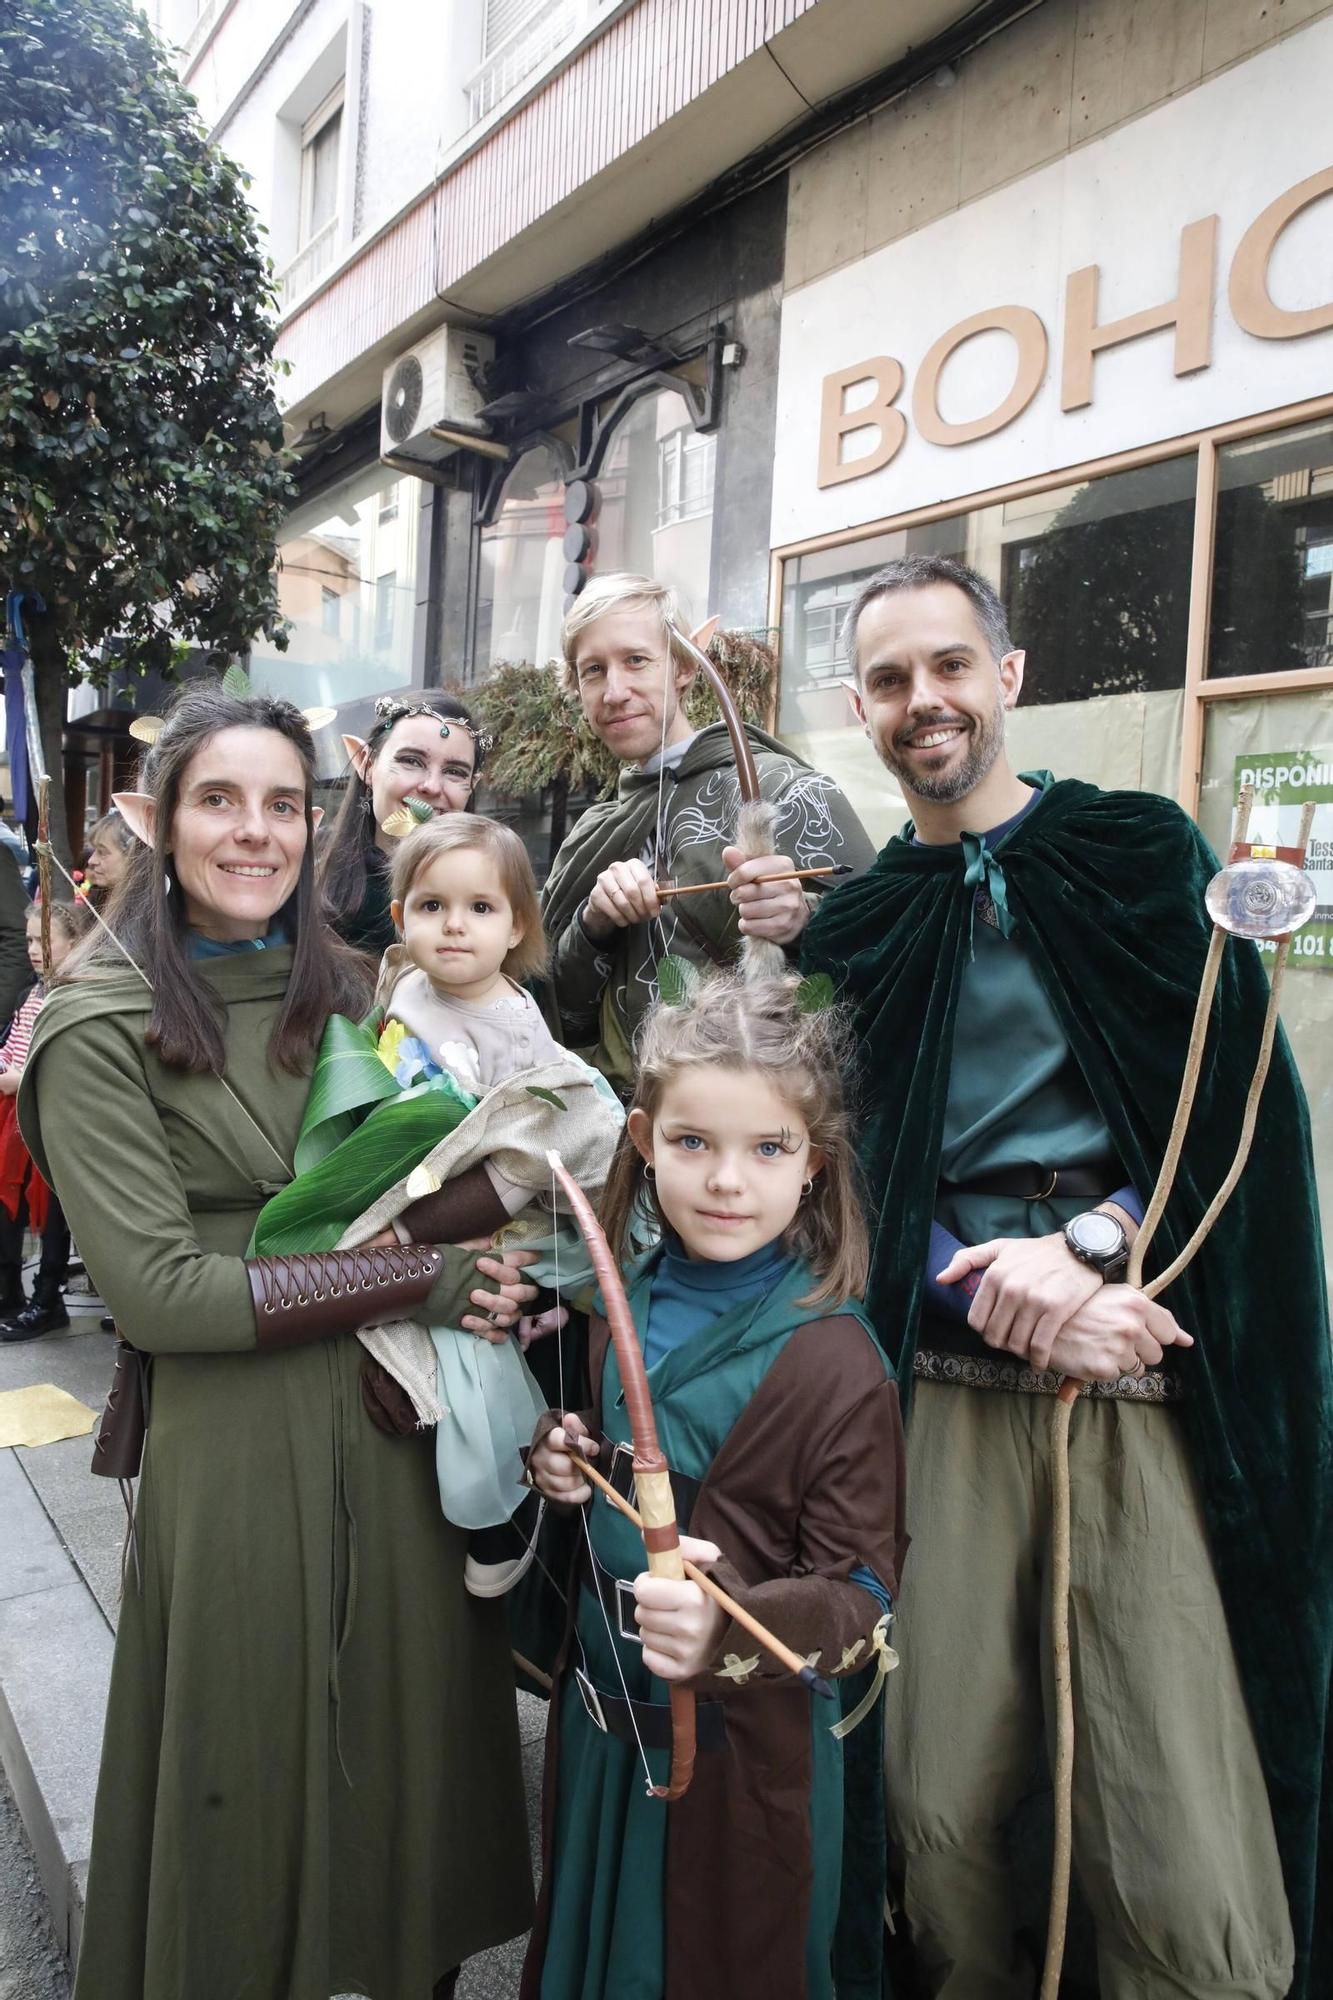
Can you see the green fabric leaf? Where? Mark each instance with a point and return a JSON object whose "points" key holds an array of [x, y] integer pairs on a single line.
{"points": [[313, 1212], [815, 993], [677, 980], [236, 682], [349, 1080], [547, 1097]]}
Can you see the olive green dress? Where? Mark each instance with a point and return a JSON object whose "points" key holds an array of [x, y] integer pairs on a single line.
{"points": [[310, 1777]]}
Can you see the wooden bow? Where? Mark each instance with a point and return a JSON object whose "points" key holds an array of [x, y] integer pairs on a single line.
{"points": [[652, 1480], [756, 823]]}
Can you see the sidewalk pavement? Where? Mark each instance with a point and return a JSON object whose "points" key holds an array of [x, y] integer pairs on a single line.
{"points": [[60, 1554]]}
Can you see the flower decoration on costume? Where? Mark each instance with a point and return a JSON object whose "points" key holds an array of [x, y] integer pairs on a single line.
{"points": [[461, 1061], [389, 1043], [406, 1056]]}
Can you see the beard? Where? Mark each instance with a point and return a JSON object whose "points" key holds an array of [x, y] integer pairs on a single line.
{"points": [[954, 784]]}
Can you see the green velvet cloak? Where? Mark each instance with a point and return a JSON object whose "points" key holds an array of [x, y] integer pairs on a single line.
{"points": [[1107, 893]]}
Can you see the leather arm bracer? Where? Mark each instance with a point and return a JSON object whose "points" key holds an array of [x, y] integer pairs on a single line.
{"points": [[303, 1298]]}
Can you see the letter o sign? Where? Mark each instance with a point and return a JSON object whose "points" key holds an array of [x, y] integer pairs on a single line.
{"points": [[1028, 335]]}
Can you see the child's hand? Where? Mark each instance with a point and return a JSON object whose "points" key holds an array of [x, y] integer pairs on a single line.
{"points": [[10, 1079], [548, 1462], [502, 1304], [680, 1626], [536, 1326]]}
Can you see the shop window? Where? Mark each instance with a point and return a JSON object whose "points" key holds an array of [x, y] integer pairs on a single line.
{"points": [[1283, 743], [386, 604], [520, 593], [1095, 579], [1272, 609], [685, 462], [346, 583], [656, 483]]}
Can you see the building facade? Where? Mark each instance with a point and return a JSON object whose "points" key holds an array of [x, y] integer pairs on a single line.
{"points": [[1067, 312], [754, 294]]}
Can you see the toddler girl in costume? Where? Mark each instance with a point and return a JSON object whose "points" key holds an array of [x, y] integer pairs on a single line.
{"points": [[780, 1422], [457, 1066]]}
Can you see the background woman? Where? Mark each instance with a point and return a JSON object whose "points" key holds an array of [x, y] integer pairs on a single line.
{"points": [[310, 1780], [426, 748], [110, 845]]}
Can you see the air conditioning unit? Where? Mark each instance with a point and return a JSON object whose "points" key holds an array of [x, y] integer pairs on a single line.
{"points": [[439, 382]]}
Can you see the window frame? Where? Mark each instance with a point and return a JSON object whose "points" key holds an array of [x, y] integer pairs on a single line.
{"points": [[323, 116], [1199, 690]]}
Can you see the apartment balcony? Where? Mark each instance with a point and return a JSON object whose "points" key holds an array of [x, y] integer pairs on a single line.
{"points": [[534, 39], [308, 266], [628, 112]]}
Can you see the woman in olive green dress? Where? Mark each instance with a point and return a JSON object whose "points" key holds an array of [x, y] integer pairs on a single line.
{"points": [[310, 1779]]}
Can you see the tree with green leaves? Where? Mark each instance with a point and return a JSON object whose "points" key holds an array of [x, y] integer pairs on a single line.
{"points": [[143, 482]]}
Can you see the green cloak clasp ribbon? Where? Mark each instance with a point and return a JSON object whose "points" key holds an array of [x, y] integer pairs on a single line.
{"points": [[983, 871]]}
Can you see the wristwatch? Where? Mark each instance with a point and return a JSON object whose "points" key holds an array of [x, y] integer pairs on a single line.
{"points": [[1099, 1241]]}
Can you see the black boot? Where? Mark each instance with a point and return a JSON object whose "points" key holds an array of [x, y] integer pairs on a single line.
{"points": [[13, 1298], [46, 1314]]}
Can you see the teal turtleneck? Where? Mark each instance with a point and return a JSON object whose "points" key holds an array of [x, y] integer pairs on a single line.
{"points": [[207, 947], [689, 1293]]}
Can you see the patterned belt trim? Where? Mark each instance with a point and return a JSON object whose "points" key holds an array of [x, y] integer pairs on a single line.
{"points": [[1154, 1387]]}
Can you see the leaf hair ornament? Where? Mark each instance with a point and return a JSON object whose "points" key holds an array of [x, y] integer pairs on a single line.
{"points": [[405, 819], [1262, 893], [237, 683]]}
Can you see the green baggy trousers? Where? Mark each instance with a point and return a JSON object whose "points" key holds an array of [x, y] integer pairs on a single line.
{"points": [[1173, 1837]]}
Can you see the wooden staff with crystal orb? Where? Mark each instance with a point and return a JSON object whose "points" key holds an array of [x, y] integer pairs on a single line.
{"points": [[1263, 894]]}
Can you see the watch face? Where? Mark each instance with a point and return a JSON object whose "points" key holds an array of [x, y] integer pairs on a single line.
{"points": [[1098, 1235]]}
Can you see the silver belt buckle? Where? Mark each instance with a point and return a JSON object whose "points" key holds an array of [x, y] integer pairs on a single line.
{"points": [[592, 1701], [628, 1451], [625, 1603]]}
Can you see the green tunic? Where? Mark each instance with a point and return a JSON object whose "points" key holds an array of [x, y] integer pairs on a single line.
{"points": [[310, 1780]]}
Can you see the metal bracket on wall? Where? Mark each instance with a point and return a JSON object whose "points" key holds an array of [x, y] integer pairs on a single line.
{"points": [[596, 418]]}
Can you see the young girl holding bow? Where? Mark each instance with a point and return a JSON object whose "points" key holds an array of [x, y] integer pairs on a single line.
{"points": [[780, 1423]]}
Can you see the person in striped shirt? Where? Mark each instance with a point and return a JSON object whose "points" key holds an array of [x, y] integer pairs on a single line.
{"points": [[26, 1202]]}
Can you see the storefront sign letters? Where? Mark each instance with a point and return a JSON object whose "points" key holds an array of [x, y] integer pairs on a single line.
{"points": [[862, 400]]}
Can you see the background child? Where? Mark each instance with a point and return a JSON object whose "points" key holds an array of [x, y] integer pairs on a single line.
{"points": [[781, 1425], [25, 1199]]}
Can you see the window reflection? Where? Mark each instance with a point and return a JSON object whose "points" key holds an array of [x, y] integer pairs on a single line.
{"points": [[1094, 576], [1273, 563], [346, 581], [656, 484], [520, 593]]}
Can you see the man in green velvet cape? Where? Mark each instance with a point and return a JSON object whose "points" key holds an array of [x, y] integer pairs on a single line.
{"points": [[1022, 962]]}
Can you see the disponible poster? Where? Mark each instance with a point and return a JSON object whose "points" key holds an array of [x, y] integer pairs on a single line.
{"points": [[1284, 781]]}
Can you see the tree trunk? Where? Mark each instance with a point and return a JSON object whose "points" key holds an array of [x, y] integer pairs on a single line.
{"points": [[51, 674], [559, 818]]}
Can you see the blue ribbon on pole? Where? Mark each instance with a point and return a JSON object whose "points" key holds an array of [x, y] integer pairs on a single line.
{"points": [[16, 732]]}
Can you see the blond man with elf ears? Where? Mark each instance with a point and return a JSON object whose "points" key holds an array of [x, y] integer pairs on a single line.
{"points": [[1022, 965], [672, 820]]}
